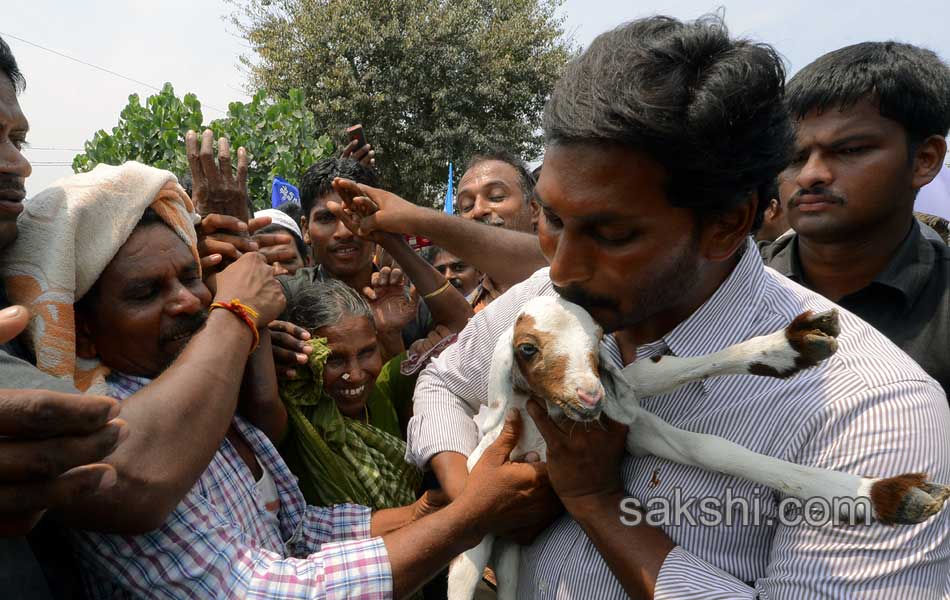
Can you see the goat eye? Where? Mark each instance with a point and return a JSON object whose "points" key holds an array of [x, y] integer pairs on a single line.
{"points": [[527, 350]]}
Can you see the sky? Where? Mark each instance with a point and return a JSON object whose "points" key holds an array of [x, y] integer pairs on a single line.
{"points": [[193, 45]]}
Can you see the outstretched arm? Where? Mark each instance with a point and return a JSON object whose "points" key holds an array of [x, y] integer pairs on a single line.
{"points": [[508, 257]]}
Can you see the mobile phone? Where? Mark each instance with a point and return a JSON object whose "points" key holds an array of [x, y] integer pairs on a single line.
{"points": [[356, 133]]}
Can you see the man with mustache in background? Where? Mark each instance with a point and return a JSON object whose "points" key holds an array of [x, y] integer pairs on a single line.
{"points": [[871, 125]]}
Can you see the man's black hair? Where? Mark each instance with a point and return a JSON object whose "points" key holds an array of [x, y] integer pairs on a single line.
{"points": [[317, 181], [292, 210], [706, 107], [911, 85], [9, 67], [302, 248], [430, 253], [524, 174]]}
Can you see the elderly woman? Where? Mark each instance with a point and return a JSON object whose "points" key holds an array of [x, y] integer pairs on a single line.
{"points": [[345, 439]]}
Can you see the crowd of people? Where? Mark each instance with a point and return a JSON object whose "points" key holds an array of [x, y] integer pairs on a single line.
{"points": [[200, 401]]}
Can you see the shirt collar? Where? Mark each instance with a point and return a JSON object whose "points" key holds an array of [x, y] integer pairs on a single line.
{"points": [[907, 271], [728, 315]]}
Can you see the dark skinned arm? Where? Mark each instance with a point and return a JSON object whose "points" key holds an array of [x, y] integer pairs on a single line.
{"points": [[488, 249], [259, 400], [193, 400]]}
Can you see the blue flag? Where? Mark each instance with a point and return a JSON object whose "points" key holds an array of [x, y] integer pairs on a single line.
{"points": [[282, 192], [449, 194]]}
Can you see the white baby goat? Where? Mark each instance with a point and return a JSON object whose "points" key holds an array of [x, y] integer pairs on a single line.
{"points": [[553, 352]]}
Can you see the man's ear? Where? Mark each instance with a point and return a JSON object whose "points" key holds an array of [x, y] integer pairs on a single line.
{"points": [[928, 159], [722, 234], [85, 347], [535, 214], [305, 229]]}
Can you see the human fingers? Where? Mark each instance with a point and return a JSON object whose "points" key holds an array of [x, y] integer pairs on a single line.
{"points": [[242, 170], [360, 153], [13, 320], [265, 240], [253, 225], [43, 459], [370, 294], [277, 255], [396, 277], [43, 413], [81, 481], [208, 263], [206, 156], [194, 163], [385, 275], [224, 160], [506, 441], [218, 223]]}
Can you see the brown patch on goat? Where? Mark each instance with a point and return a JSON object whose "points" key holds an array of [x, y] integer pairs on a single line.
{"points": [[767, 371], [812, 336], [907, 499], [543, 373]]}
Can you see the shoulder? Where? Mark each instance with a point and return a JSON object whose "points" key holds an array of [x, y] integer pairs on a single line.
{"points": [[865, 360], [17, 373]]}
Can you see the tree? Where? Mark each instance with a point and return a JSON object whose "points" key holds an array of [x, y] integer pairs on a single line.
{"points": [[280, 137], [431, 81]]}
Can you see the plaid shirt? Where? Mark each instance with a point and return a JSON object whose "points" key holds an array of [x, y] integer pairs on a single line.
{"points": [[221, 542]]}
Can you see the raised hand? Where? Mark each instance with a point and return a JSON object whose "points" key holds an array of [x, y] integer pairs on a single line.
{"points": [[375, 210], [50, 445], [215, 188], [386, 294], [364, 155], [251, 280]]}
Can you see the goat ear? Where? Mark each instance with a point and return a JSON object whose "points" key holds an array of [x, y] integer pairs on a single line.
{"points": [[621, 396], [500, 390]]}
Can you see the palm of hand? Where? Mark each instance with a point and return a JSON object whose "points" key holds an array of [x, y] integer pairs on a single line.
{"points": [[392, 308]]}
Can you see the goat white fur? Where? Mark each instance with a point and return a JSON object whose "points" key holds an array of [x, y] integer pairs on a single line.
{"points": [[553, 352]]}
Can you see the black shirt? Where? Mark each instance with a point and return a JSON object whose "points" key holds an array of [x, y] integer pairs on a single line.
{"points": [[909, 301]]}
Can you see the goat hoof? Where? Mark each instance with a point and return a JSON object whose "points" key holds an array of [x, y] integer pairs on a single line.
{"points": [[812, 336], [907, 499]]}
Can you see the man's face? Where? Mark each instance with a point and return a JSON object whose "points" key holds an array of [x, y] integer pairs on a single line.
{"points": [[851, 172], [615, 244], [334, 246], [14, 168], [491, 192], [459, 273], [149, 302]]}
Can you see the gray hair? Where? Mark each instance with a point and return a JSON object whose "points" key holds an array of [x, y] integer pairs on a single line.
{"points": [[327, 303]]}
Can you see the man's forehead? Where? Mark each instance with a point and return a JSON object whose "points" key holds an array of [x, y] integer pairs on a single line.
{"points": [[320, 203], [862, 117], [149, 250], [488, 172]]}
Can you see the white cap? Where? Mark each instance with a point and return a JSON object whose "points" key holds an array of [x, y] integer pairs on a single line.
{"points": [[280, 218]]}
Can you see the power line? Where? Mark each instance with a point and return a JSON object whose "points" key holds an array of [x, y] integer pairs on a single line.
{"points": [[28, 148], [88, 64]]}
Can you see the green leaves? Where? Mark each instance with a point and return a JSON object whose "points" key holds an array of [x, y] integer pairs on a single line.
{"points": [[280, 137], [431, 81]]}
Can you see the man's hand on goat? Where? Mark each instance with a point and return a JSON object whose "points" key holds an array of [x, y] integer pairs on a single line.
{"points": [[583, 460], [511, 499]]}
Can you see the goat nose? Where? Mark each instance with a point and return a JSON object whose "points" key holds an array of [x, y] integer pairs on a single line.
{"points": [[590, 398]]}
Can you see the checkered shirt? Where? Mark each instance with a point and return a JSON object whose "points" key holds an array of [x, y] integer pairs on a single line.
{"points": [[221, 542]]}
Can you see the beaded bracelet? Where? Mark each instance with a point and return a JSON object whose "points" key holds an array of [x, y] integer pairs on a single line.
{"points": [[243, 312]]}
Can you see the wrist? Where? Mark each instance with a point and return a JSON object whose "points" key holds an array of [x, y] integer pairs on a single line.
{"points": [[595, 505]]}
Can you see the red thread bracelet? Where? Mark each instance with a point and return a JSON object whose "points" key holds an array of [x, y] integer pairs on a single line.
{"points": [[243, 312]]}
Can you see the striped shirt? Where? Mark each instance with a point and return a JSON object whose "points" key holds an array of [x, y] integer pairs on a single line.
{"points": [[869, 409], [221, 541]]}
